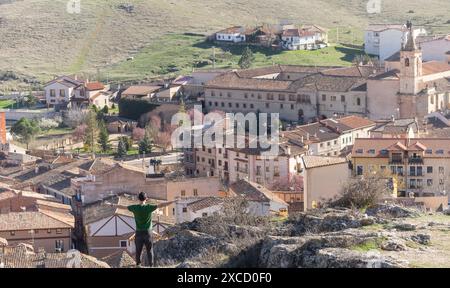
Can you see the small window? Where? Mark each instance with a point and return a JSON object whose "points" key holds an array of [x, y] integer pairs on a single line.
{"points": [[440, 151], [195, 192], [49, 231], [183, 192], [13, 233], [359, 151], [324, 97], [429, 169], [429, 151], [184, 210], [384, 152], [371, 151], [123, 243], [58, 231], [359, 170], [204, 214]]}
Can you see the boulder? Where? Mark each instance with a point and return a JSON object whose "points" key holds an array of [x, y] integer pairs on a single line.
{"points": [[391, 211], [421, 238], [405, 227], [393, 245], [346, 258], [184, 246]]}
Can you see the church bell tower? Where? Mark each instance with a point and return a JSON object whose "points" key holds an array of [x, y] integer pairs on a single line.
{"points": [[410, 64]]}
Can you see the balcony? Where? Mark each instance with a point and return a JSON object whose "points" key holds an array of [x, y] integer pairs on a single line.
{"points": [[415, 160]]}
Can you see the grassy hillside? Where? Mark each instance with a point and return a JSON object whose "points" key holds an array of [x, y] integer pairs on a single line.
{"points": [[39, 38]]}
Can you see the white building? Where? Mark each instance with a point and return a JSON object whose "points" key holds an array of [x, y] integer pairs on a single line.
{"points": [[298, 39], [384, 40], [65, 90], [261, 201], [60, 90], [233, 34], [189, 209], [434, 48]]}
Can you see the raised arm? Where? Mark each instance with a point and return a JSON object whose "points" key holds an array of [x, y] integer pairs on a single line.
{"points": [[164, 204], [116, 205]]}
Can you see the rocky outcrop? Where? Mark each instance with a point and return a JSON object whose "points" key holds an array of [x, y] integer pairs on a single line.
{"points": [[322, 251], [391, 211], [421, 238], [319, 239]]}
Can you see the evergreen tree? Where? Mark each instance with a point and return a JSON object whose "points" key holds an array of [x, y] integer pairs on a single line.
{"points": [[26, 130], [247, 58], [92, 130], [103, 137], [105, 110], [121, 149], [145, 145]]}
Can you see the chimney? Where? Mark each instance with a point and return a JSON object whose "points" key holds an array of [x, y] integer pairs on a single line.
{"points": [[307, 136], [392, 118]]}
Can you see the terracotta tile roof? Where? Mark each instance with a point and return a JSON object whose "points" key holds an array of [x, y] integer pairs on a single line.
{"points": [[398, 146], [24, 256], [29, 220], [254, 192], [435, 147], [120, 259], [356, 122], [298, 33], [64, 217], [233, 81], [321, 82], [393, 74], [92, 86], [66, 81], [433, 67], [383, 27], [396, 126], [233, 30], [140, 90], [321, 161], [205, 203]]}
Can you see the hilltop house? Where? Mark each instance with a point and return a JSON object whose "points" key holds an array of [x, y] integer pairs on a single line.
{"points": [[434, 48], [233, 34], [65, 91], [383, 40], [305, 38], [141, 92]]}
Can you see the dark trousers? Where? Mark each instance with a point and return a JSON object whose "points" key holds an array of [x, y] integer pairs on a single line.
{"points": [[144, 238]]}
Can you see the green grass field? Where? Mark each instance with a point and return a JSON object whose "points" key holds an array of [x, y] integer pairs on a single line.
{"points": [[180, 54], [7, 104]]}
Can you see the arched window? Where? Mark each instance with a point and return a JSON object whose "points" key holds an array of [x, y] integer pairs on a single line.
{"points": [[407, 62]]}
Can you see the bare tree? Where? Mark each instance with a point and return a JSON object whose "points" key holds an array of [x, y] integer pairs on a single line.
{"points": [[363, 191]]}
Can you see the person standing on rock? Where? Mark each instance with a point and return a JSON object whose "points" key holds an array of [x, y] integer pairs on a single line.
{"points": [[143, 217]]}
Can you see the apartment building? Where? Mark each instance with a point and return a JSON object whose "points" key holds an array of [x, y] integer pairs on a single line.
{"points": [[384, 40], [233, 164], [37, 229], [298, 93], [417, 165], [331, 137]]}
